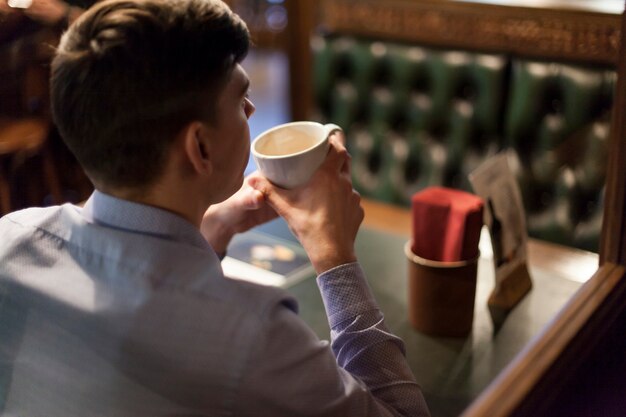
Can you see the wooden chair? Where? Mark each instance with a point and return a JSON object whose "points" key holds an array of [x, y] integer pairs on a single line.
{"points": [[27, 169]]}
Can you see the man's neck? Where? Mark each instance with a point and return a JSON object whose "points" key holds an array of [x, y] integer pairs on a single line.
{"points": [[173, 199]]}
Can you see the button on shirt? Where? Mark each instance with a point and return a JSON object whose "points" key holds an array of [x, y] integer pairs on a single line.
{"points": [[121, 309]]}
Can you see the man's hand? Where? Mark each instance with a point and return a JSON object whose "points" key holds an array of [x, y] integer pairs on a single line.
{"points": [[324, 214], [244, 210]]}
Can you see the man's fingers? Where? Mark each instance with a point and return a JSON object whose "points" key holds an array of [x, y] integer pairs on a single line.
{"points": [[339, 136], [260, 184], [252, 199], [266, 190], [337, 156]]}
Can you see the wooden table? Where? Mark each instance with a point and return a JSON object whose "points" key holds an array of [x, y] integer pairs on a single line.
{"points": [[451, 371]]}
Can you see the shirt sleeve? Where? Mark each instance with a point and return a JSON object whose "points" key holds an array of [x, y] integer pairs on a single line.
{"points": [[362, 372]]}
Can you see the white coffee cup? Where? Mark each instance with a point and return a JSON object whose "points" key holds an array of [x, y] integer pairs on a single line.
{"points": [[288, 154]]}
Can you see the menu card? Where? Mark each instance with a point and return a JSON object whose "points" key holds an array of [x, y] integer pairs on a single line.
{"points": [[267, 260], [495, 182]]}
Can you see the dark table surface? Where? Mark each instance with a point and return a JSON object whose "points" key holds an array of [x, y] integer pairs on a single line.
{"points": [[451, 371]]}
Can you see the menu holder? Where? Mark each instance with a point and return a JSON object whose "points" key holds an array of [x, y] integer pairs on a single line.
{"points": [[495, 182]]}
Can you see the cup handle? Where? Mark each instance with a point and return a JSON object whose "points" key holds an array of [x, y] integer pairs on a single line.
{"points": [[331, 128]]}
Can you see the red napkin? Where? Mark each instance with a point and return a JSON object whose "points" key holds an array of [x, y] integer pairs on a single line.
{"points": [[446, 224]]}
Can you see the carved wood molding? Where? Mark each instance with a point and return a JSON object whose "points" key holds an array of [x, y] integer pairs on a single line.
{"points": [[542, 33]]}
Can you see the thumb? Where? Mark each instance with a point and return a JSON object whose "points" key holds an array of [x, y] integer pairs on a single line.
{"points": [[252, 199], [337, 158], [261, 185], [268, 192]]}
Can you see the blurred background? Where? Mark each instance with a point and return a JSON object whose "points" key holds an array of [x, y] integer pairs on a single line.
{"points": [[36, 169], [426, 91]]}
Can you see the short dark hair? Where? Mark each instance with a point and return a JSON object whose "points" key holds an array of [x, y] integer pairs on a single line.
{"points": [[128, 75]]}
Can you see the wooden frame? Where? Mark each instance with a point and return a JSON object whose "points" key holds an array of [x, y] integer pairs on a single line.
{"points": [[613, 244], [302, 19], [550, 33], [571, 34], [537, 373]]}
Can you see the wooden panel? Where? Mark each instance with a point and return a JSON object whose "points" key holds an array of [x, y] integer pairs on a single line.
{"points": [[564, 373], [533, 32], [511, 388], [301, 21], [613, 244]]}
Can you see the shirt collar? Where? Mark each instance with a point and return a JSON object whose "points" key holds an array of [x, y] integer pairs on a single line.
{"points": [[106, 210]]}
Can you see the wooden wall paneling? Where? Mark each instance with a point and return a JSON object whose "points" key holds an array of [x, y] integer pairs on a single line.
{"points": [[613, 243], [540, 359], [302, 18], [546, 396], [554, 33]]}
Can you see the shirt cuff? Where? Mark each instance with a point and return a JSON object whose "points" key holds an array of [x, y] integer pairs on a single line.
{"points": [[346, 293]]}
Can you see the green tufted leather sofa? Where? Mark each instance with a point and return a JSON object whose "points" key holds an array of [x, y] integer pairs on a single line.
{"points": [[418, 116]]}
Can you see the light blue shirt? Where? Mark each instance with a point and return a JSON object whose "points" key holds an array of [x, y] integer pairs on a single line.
{"points": [[121, 309]]}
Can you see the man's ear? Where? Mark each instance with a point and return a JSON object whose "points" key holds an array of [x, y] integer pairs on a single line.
{"points": [[197, 147]]}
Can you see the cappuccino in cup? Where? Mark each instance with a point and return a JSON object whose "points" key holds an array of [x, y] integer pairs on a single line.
{"points": [[288, 154]]}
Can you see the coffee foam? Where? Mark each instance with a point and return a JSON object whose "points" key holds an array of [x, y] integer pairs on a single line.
{"points": [[285, 142]]}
